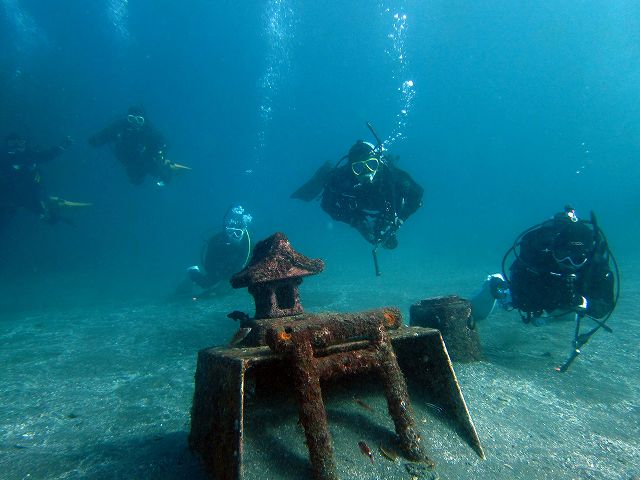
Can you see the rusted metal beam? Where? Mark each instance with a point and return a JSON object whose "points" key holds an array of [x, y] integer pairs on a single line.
{"points": [[313, 415], [299, 341], [326, 329], [307, 349], [398, 401], [220, 381]]}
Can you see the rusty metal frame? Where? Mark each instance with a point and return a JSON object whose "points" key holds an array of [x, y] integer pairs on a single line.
{"points": [[217, 417]]}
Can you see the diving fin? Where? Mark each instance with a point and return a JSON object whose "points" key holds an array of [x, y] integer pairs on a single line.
{"points": [[483, 303], [177, 166], [313, 187], [61, 202]]}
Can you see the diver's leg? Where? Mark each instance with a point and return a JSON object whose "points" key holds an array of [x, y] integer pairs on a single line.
{"points": [[198, 277], [36, 201], [135, 173], [165, 172], [160, 169], [493, 289]]}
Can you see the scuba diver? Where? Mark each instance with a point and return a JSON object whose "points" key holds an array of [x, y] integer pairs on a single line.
{"points": [[563, 269], [225, 253], [369, 193], [139, 147], [21, 180]]}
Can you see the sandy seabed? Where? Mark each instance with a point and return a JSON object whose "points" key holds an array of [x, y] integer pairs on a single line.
{"points": [[104, 392]]}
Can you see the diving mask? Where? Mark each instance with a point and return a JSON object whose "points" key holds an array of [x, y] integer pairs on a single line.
{"points": [[572, 253], [236, 222], [136, 120], [571, 260], [16, 145], [573, 244], [367, 168], [234, 233]]}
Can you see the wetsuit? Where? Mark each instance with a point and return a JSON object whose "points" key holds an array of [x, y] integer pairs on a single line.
{"points": [[20, 182], [140, 149], [375, 209], [221, 260], [540, 283]]}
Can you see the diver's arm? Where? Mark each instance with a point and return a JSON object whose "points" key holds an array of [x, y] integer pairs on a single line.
{"points": [[410, 196], [154, 140], [48, 154], [599, 288], [386, 226], [108, 134], [336, 204], [313, 187]]}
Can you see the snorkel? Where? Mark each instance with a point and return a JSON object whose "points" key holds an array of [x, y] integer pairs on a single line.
{"points": [[378, 146]]}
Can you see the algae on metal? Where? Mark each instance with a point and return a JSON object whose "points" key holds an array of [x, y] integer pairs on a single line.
{"points": [[305, 350]]}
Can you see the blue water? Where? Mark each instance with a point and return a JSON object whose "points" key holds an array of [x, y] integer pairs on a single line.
{"points": [[503, 111]]}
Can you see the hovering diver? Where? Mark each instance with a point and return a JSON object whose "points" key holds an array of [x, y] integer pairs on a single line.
{"points": [[369, 193], [226, 252], [562, 269], [139, 147], [21, 180]]}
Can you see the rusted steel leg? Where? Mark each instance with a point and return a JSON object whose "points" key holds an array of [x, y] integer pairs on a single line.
{"points": [[312, 413], [398, 398], [217, 415]]}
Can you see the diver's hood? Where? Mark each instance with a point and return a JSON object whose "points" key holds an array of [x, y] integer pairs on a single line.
{"points": [[360, 151], [573, 244]]}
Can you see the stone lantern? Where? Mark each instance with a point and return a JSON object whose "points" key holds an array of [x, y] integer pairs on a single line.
{"points": [[273, 276]]}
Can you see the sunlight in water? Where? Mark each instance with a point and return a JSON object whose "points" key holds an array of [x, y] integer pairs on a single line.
{"points": [[279, 22], [397, 52], [28, 34], [118, 13]]}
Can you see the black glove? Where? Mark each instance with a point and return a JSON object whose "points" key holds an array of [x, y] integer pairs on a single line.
{"points": [[574, 299], [363, 225], [386, 230], [390, 242]]}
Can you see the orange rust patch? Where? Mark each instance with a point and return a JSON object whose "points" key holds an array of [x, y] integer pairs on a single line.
{"points": [[389, 318], [284, 336]]}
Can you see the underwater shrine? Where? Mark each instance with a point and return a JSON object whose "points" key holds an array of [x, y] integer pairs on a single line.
{"points": [[302, 352]]}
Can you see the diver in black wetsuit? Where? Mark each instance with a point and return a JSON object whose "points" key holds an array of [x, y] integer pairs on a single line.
{"points": [[372, 195], [563, 268], [563, 264], [369, 193], [21, 180], [138, 146], [225, 253]]}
